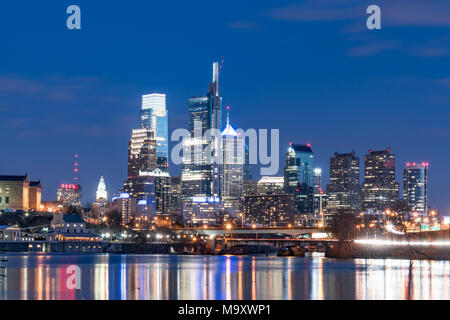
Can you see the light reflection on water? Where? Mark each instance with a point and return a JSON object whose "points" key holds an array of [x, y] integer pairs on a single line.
{"points": [[43, 277]]}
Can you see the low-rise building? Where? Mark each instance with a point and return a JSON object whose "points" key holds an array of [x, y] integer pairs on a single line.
{"points": [[70, 227], [10, 233], [19, 193]]}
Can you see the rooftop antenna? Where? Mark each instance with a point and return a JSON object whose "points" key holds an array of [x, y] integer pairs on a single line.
{"points": [[75, 169], [228, 116]]}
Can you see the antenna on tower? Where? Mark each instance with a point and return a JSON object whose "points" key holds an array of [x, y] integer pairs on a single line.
{"points": [[221, 64], [75, 169]]}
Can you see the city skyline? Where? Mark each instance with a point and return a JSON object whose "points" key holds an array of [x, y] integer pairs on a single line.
{"points": [[65, 109]]}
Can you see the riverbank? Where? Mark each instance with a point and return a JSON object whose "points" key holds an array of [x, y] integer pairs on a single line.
{"points": [[351, 250]]}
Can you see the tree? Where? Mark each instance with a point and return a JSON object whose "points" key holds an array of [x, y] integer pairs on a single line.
{"points": [[343, 224], [114, 218]]}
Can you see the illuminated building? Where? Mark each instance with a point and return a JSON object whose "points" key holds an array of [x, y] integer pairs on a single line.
{"points": [[250, 187], [380, 190], [69, 195], [200, 174], [344, 190], [19, 193], [415, 186], [141, 152], [101, 194], [175, 195], [317, 180], [270, 185], [70, 227], [199, 211], [154, 117], [269, 210], [233, 163], [299, 177], [125, 205]]}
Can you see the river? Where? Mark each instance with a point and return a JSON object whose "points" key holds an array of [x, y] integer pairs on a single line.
{"points": [[39, 276]]}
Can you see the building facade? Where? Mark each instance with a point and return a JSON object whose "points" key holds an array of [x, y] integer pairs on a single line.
{"points": [[270, 185], [19, 193], [380, 190], [69, 195], [269, 210]]}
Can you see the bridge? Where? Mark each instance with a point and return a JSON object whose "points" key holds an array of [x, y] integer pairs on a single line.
{"points": [[214, 232], [307, 244]]}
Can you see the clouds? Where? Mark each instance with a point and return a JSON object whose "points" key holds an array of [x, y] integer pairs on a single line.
{"points": [[395, 15]]}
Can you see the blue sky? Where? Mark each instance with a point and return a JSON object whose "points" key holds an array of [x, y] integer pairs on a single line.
{"points": [[310, 68]]}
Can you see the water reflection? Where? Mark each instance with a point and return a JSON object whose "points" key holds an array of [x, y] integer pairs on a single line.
{"points": [[44, 277]]}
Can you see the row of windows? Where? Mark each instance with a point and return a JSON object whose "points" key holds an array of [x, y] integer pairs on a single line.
{"points": [[6, 200]]}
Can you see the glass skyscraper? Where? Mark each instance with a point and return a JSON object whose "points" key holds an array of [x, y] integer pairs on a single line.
{"points": [[415, 186], [154, 117], [200, 174], [299, 177]]}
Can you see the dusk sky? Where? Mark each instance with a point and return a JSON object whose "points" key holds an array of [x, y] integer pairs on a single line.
{"points": [[309, 68]]}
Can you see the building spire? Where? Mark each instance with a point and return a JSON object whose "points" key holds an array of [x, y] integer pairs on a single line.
{"points": [[101, 193], [228, 116]]}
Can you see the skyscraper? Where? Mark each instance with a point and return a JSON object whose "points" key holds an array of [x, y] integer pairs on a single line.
{"points": [[415, 186], [299, 177], [154, 117], [200, 174], [141, 152], [344, 190], [317, 180], [233, 162], [380, 190]]}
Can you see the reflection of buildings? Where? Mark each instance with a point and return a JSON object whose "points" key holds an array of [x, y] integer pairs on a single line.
{"points": [[299, 177], [344, 190], [270, 209], [380, 190], [69, 195], [270, 185], [19, 193], [415, 186]]}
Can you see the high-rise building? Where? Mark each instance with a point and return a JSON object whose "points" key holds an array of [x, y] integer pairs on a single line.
{"points": [[299, 177], [141, 152], [233, 163], [270, 185], [317, 180], [380, 190], [154, 117], [101, 199], [69, 195], [344, 190], [200, 174], [415, 186]]}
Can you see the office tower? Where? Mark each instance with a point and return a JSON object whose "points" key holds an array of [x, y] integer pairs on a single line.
{"points": [[147, 182], [154, 117], [317, 180], [200, 174], [380, 190], [69, 195], [299, 177], [233, 163], [101, 194], [344, 190], [415, 186], [141, 152], [250, 187], [248, 168], [270, 185], [269, 210]]}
